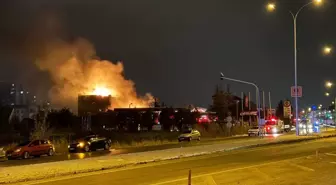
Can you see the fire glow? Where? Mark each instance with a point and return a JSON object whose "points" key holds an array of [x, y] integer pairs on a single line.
{"points": [[102, 91], [75, 70]]}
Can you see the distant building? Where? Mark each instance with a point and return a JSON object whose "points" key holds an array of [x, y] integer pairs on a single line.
{"points": [[89, 105], [23, 104], [6, 94], [93, 104]]}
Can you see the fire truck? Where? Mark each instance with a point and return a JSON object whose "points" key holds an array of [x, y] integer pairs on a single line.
{"points": [[274, 126]]}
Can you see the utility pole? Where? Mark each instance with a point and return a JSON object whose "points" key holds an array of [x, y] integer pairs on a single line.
{"points": [[264, 110], [249, 107], [270, 103], [242, 106]]}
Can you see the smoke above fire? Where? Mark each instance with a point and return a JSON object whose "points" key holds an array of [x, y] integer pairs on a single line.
{"points": [[76, 70]]}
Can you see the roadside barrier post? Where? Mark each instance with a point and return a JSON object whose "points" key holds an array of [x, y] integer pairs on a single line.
{"points": [[189, 178]]}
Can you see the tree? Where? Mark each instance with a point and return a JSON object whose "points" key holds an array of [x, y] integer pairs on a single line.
{"points": [[221, 102], [167, 118], [40, 130], [279, 110], [147, 119], [63, 118]]}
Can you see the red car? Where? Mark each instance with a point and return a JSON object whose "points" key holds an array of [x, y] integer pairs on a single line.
{"points": [[31, 148]]}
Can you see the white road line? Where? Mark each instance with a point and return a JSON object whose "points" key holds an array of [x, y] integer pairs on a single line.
{"points": [[262, 174], [333, 162], [229, 170], [210, 181], [331, 154], [301, 167]]}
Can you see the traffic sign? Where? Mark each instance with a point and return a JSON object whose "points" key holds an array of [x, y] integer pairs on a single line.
{"points": [[296, 92], [287, 109], [287, 103]]}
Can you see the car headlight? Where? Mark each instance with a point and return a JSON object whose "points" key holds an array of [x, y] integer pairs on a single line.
{"points": [[300, 125], [18, 150], [274, 130], [81, 145]]}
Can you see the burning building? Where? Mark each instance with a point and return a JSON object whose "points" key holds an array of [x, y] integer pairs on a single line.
{"points": [[75, 69], [93, 104]]}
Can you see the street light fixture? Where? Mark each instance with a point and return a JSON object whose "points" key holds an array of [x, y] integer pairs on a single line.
{"points": [[328, 84], [327, 50], [327, 94], [318, 2], [222, 77], [309, 109], [271, 6]]}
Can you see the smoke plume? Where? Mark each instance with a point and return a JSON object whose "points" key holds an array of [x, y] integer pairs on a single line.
{"points": [[76, 70]]}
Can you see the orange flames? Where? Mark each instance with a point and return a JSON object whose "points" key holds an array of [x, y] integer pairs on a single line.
{"points": [[75, 71]]}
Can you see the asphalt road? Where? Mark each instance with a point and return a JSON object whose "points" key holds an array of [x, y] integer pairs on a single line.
{"points": [[72, 156], [282, 164]]}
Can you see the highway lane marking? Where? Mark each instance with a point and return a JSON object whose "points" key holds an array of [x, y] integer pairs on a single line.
{"points": [[330, 154], [225, 171], [333, 162], [266, 176], [210, 181], [304, 168], [99, 172]]}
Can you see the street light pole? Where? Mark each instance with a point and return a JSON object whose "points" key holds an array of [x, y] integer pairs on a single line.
{"points": [[249, 83], [335, 112], [271, 7], [295, 64]]}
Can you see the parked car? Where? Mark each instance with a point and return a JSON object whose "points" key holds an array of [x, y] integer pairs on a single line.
{"points": [[189, 135], [254, 131], [2, 154], [90, 143], [31, 148]]}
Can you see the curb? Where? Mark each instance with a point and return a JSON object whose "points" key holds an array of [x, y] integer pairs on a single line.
{"points": [[292, 141]]}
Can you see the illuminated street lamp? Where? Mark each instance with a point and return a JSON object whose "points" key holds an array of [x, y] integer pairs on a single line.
{"points": [[309, 109], [327, 50], [302, 111], [271, 6], [333, 102], [327, 94], [328, 84], [318, 2]]}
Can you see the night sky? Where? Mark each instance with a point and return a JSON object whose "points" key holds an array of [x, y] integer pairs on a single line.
{"points": [[175, 49]]}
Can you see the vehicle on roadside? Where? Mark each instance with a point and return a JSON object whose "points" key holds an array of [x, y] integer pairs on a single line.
{"points": [[2, 154], [255, 131], [189, 135], [90, 143], [34, 148], [274, 126]]}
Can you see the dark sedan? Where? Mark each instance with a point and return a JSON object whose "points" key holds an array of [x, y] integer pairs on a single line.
{"points": [[90, 143]]}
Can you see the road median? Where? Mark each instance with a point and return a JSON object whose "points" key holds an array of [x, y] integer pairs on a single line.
{"points": [[62, 168]]}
